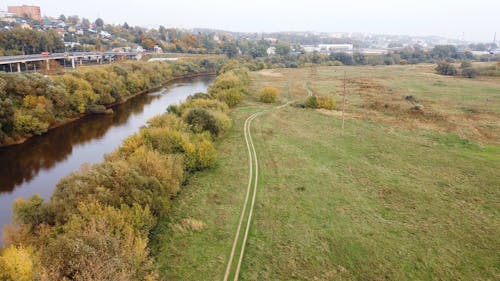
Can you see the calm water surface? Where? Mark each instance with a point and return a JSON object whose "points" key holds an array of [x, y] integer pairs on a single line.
{"points": [[37, 165]]}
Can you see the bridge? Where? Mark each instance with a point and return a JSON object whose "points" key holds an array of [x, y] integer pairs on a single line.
{"points": [[74, 57]]}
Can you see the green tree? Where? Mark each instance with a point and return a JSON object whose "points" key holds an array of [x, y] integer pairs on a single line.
{"points": [[283, 49], [99, 23]]}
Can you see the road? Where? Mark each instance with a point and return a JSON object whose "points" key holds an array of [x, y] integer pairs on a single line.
{"points": [[40, 57]]}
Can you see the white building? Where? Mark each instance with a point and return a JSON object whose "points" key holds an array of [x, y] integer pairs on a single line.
{"points": [[329, 48], [271, 51], [336, 48], [4, 14], [158, 49], [105, 34]]}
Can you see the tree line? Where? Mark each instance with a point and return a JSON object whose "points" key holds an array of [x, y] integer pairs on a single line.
{"points": [[99, 221], [31, 103]]}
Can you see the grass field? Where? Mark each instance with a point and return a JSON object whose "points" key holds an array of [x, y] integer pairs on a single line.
{"points": [[400, 194]]}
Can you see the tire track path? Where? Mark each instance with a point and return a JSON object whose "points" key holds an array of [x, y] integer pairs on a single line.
{"points": [[253, 178]]}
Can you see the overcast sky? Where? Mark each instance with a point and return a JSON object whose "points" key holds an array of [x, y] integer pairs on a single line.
{"points": [[473, 20]]}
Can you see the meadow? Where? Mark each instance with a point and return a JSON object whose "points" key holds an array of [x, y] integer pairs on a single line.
{"points": [[409, 190]]}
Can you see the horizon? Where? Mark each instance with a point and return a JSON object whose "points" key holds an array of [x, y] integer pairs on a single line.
{"points": [[388, 17]]}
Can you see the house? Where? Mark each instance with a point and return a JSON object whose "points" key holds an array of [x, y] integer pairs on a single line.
{"points": [[157, 49], [271, 51], [105, 34]]}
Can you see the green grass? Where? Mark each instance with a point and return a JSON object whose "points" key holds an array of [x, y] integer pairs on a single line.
{"points": [[375, 202]]}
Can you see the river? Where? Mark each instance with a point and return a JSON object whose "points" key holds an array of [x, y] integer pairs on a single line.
{"points": [[36, 166]]}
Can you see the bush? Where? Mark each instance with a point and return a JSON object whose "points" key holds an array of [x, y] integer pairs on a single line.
{"points": [[17, 263], [268, 95], [469, 72], [311, 102], [202, 120], [96, 109], [465, 64], [209, 104], [229, 96], [230, 86], [446, 68], [326, 103]]}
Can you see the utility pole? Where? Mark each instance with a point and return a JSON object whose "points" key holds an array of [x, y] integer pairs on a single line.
{"points": [[343, 103]]}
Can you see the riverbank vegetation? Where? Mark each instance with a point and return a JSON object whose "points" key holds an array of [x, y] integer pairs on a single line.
{"points": [[99, 221], [32, 103]]}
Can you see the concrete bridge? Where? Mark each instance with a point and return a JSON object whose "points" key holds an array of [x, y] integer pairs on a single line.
{"points": [[73, 57]]}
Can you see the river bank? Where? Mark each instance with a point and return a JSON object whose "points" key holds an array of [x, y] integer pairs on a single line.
{"points": [[110, 106], [35, 166]]}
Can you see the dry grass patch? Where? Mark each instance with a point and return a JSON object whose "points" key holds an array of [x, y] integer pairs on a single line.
{"points": [[188, 225]]}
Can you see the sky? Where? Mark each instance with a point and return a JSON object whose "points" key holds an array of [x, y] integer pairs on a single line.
{"points": [[472, 20]]}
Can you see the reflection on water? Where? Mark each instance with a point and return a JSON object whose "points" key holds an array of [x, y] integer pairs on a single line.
{"points": [[37, 165]]}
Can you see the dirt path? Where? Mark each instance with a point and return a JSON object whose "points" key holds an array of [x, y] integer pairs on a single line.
{"points": [[306, 86], [252, 178], [253, 162]]}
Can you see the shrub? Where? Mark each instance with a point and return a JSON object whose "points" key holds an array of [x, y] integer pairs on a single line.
{"points": [[206, 154], [202, 120], [32, 212], [326, 103], [465, 64], [469, 72], [168, 121], [311, 102], [101, 243], [209, 104], [230, 86], [96, 109], [231, 96], [199, 96], [17, 263], [446, 68], [268, 95], [174, 108], [28, 124]]}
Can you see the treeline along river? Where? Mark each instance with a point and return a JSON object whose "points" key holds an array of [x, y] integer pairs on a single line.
{"points": [[35, 166]]}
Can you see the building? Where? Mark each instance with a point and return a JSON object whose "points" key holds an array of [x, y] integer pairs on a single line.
{"points": [[158, 49], [336, 48], [31, 11], [5, 15], [271, 51], [329, 48]]}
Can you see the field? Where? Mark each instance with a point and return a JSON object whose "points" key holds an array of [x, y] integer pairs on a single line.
{"points": [[409, 190]]}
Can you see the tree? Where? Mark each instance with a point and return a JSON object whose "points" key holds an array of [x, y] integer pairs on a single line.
{"points": [[442, 52], [6, 117], [230, 49], [344, 58], [283, 49], [99, 23]]}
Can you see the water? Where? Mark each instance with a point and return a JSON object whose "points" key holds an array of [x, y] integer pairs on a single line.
{"points": [[37, 165]]}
